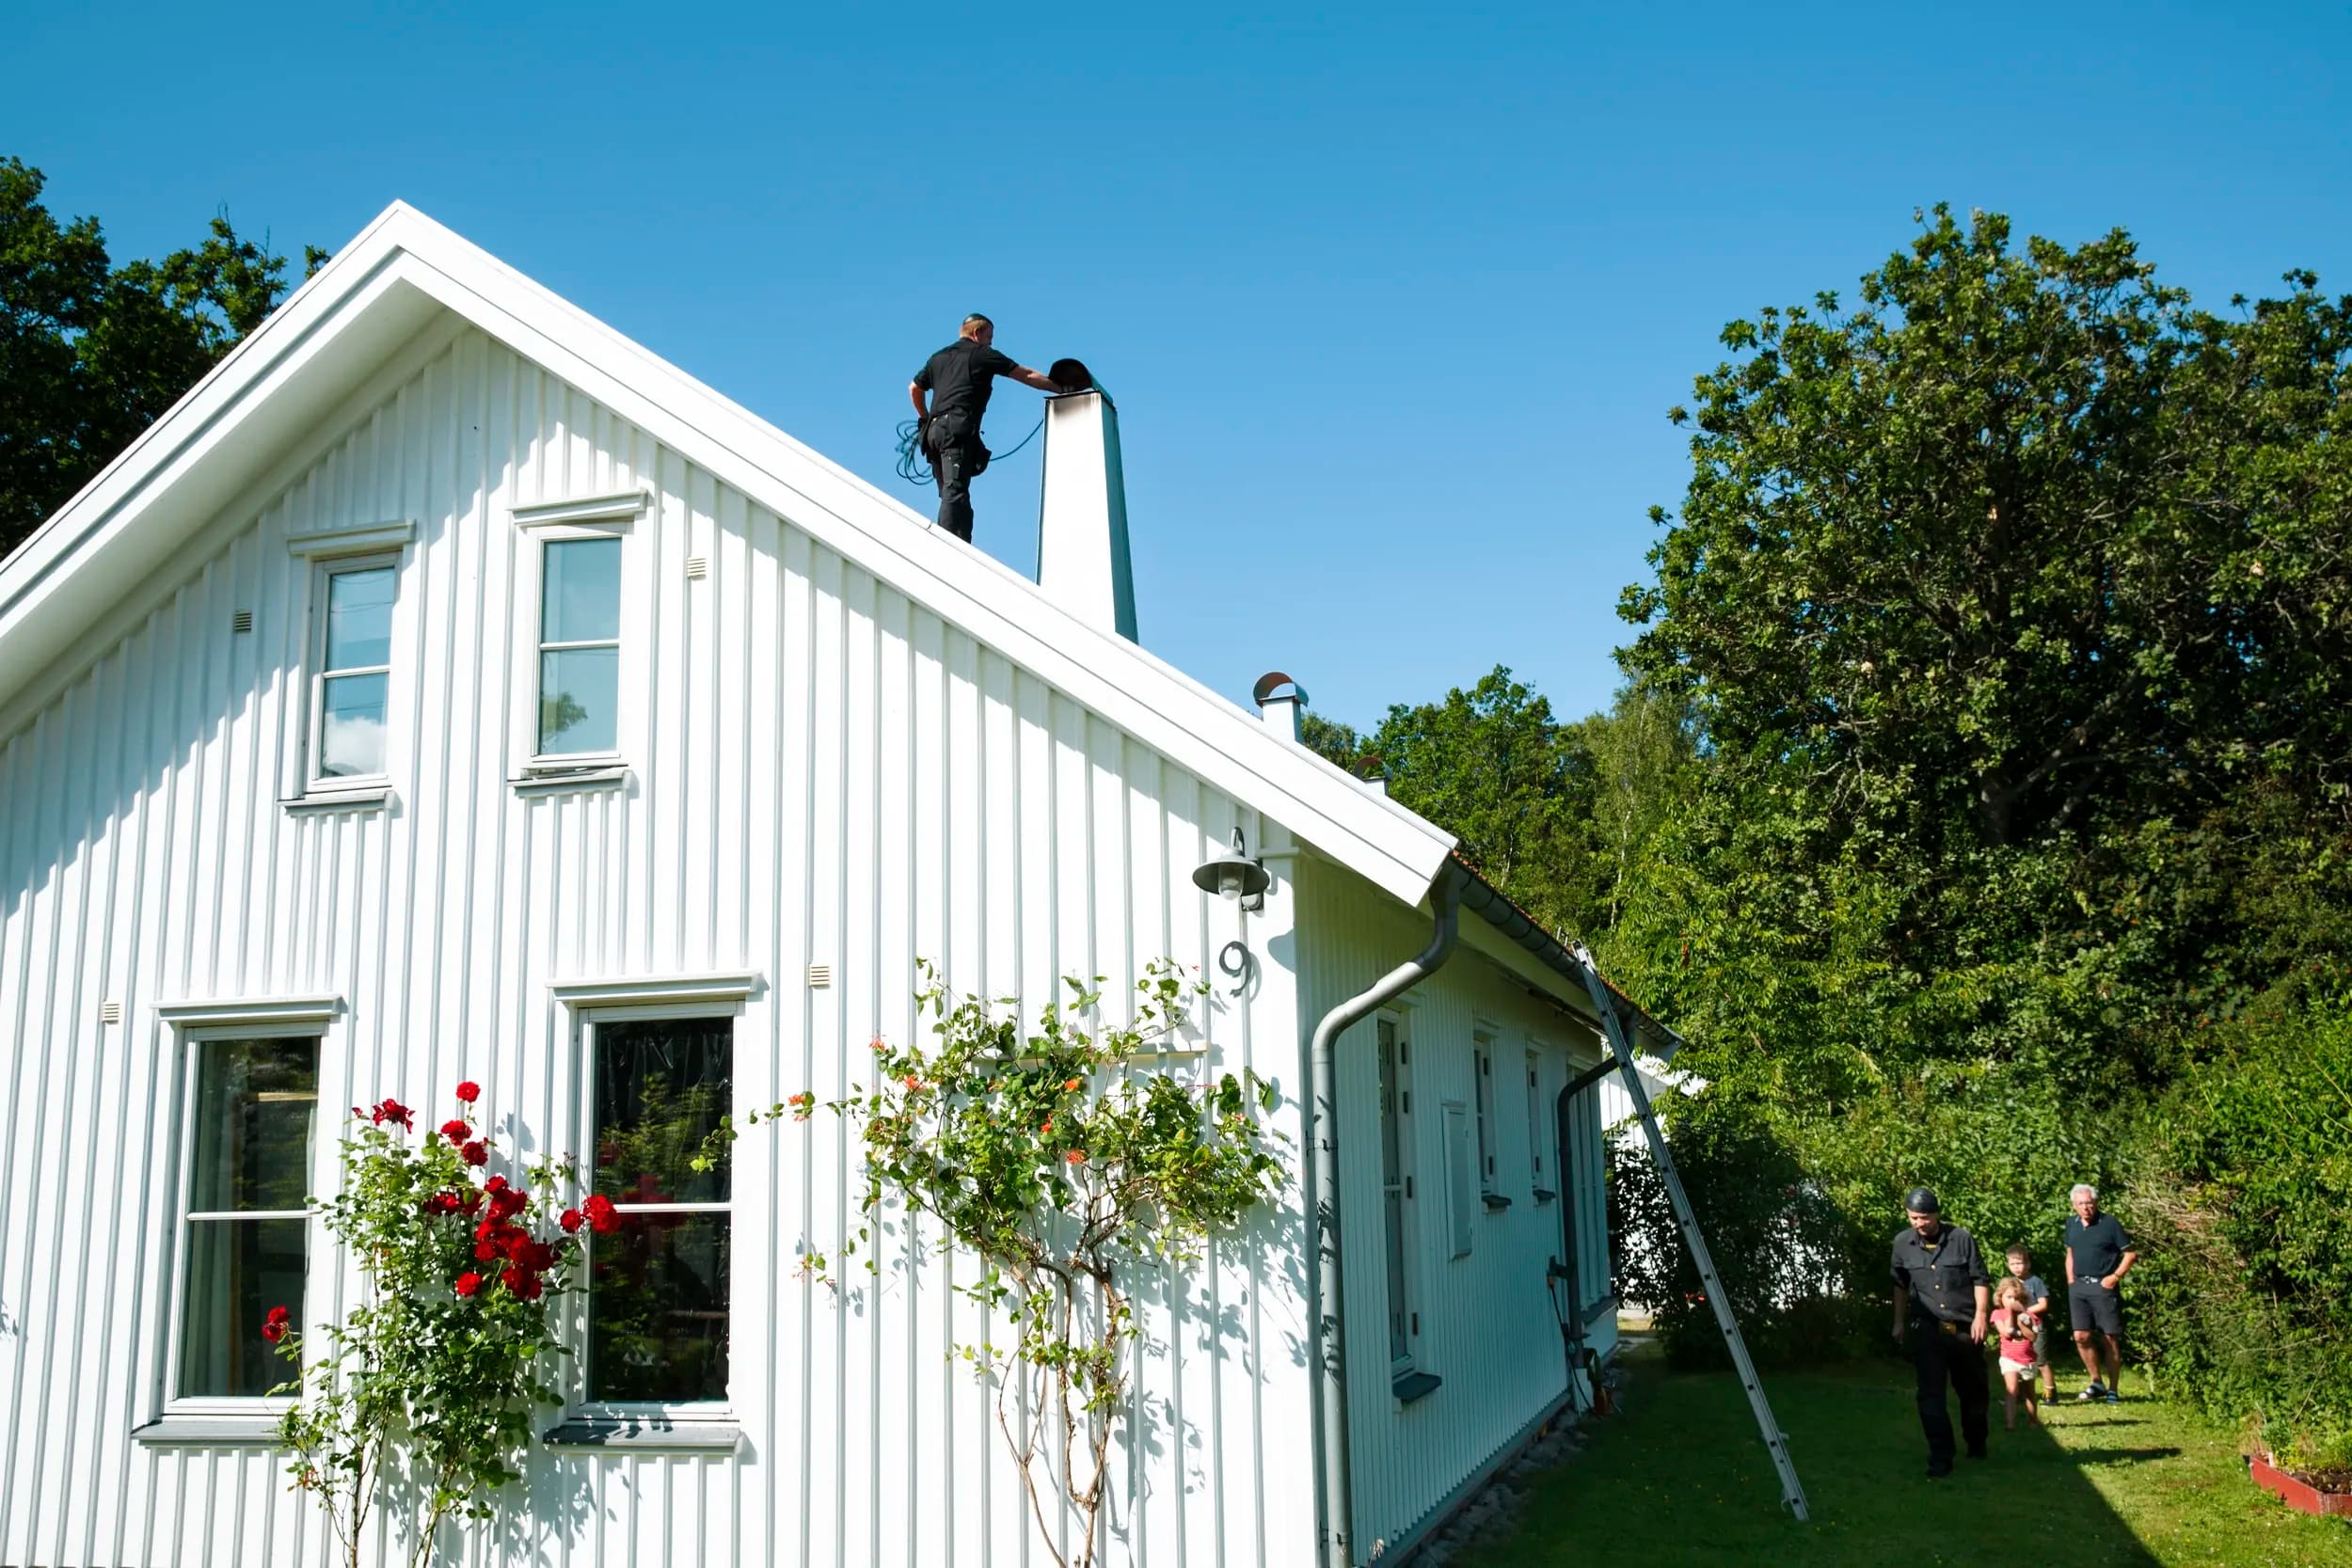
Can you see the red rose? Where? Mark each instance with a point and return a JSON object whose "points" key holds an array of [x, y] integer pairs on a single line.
{"points": [[485, 1250], [470, 1091], [570, 1219], [522, 1282], [274, 1327], [602, 1218], [467, 1283], [476, 1153], [455, 1132], [496, 1184], [388, 1109]]}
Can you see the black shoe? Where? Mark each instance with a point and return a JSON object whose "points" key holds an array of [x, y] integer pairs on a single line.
{"points": [[1976, 1451], [1939, 1468]]}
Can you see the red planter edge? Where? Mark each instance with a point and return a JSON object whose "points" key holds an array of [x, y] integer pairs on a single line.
{"points": [[2301, 1496]]}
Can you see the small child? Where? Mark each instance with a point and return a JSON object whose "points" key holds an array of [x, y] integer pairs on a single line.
{"points": [[2037, 1303], [2016, 1327]]}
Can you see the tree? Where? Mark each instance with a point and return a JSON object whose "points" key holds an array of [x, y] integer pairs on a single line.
{"points": [[91, 353]]}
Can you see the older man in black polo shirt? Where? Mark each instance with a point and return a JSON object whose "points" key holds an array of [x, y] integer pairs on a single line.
{"points": [[1942, 1298]]}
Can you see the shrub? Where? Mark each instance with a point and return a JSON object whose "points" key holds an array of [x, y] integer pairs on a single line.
{"points": [[2245, 1298]]}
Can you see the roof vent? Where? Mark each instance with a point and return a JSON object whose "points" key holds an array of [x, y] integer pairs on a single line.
{"points": [[1082, 515], [1280, 701]]}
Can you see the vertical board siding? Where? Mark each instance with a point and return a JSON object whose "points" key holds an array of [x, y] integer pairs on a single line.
{"points": [[1489, 1325], [822, 772]]}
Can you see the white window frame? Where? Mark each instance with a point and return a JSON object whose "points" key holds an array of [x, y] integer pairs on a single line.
{"points": [[326, 553], [195, 1024], [1483, 1102], [655, 1002], [1409, 1229], [1535, 1123], [546, 523], [323, 574]]}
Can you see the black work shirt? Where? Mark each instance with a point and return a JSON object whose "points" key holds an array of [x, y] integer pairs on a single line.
{"points": [[1941, 1275], [959, 377], [2098, 1247]]}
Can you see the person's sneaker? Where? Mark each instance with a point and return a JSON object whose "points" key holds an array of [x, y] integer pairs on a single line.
{"points": [[2096, 1391], [2110, 1397]]}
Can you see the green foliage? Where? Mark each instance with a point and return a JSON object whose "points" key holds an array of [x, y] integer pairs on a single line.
{"points": [[90, 353], [1069, 1172], [2239, 1198], [430, 1381]]}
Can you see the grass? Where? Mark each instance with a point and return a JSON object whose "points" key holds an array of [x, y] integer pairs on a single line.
{"points": [[1678, 1477]]}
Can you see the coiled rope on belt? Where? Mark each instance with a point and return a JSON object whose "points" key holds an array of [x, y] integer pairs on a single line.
{"points": [[915, 464]]}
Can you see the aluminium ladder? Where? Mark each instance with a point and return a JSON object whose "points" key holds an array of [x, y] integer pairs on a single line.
{"points": [[1621, 1047]]}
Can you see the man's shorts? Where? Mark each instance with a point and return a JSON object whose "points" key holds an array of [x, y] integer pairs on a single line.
{"points": [[2041, 1349], [2092, 1308]]}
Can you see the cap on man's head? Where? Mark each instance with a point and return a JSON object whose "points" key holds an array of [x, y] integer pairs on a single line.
{"points": [[1920, 1201]]}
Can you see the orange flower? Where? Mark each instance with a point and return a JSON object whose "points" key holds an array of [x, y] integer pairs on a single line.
{"points": [[1073, 1082], [1075, 1156], [1049, 1125]]}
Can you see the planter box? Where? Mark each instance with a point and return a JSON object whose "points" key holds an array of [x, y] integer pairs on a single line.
{"points": [[2301, 1494]]}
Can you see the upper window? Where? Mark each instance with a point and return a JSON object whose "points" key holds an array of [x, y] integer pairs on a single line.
{"points": [[245, 1229], [579, 647], [657, 1263], [352, 686]]}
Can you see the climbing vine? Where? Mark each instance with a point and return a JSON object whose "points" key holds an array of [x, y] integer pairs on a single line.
{"points": [[1071, 1173]]}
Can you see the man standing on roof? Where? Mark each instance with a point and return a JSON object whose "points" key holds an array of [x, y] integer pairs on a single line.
{"points": [[1943, 1298], [959, 379]]}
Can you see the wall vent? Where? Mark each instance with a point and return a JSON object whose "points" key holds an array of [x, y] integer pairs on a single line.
{"points": [[697, 567], [110, 1012], [241, 621], [819, 976]]}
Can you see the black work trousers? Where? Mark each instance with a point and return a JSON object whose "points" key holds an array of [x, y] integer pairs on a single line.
{"points": [[1937, 1355], [957, 459]]}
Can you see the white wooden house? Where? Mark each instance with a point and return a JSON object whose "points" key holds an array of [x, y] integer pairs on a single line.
{"points": [[446, 688]]}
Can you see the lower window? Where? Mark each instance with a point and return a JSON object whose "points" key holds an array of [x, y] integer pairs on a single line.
{"points": [[245, 1238], [657, 1263]]}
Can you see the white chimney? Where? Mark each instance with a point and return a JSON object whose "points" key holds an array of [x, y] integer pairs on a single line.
{"points": [[1082, 515], [1279, 700]]}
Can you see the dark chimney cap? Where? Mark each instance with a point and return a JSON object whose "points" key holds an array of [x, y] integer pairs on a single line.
{"points": [[1272, 682], [1071, 375]]}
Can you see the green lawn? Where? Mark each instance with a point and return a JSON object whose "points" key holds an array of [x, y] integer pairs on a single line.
{"points": [[1679, 1478]]}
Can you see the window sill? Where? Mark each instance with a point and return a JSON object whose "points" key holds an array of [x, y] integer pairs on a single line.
{"points": [[559, 781], [367, 798], [1544, 1195], [1495, 1202], [1415, 1385], [209, 1432], [644, 1432]]}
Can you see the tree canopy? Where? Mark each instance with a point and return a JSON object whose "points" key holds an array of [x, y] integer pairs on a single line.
{"points": [[92, 353]]}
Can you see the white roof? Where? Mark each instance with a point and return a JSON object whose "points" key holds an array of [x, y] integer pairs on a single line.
{"points": [[395, 279]]}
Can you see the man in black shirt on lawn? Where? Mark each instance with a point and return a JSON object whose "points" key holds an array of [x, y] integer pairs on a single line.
{"points": [[959, 379], [1941, 1298], [2098, 1256]]}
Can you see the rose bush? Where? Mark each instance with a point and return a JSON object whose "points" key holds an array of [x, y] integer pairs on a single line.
{"points": [[430, 1380]]}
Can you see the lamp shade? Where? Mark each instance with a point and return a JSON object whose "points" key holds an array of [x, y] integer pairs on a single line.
{"points": [[1232, 876]]}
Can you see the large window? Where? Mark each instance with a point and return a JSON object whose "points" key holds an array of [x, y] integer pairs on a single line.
{"points": [[351, 689], [246, 1235], [1396, 1191], [657, 1263], [580, 648]]}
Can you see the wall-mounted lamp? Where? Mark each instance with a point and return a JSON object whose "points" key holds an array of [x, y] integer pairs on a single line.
{"points": [[1234, 876]]}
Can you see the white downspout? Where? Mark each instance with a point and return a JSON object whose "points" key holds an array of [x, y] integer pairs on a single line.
{"points": [[1336, 1501]]}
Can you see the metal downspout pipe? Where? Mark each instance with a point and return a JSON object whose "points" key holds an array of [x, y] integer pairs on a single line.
{"points": [[1322, 1183]]}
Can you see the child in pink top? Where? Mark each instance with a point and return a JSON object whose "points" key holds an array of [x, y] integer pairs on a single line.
{"points": [[2015, 1326]]}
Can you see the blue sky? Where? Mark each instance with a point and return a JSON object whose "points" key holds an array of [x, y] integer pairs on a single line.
{"points": [[1392, 301]]}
